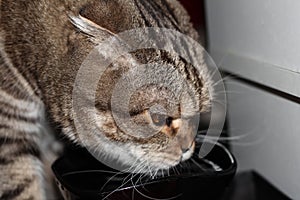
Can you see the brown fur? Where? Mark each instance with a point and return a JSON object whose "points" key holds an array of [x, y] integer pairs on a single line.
{"points": [[41, 52]]}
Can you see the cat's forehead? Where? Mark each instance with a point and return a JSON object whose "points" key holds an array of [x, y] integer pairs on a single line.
{"points": [[151, 96], [114, 15], [122, 15]]}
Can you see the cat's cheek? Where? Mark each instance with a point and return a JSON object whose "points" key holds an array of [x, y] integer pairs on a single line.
{"points": [[158, 164], [164, 160]]}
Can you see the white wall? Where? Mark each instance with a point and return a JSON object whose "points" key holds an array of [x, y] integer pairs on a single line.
{"points": [[257, 35], [269, 128], [260, 40]]}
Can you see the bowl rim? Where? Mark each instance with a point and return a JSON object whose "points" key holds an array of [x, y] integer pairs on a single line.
{"points": [[230, 171]]}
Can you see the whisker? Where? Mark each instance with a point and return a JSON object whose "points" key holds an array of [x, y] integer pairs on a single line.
{"points": [[197, 164], [222, 59], [155, 174], [227, 92], [119, 173], [221, 80], [143, 168], [176, 170], [222, 138], [200, 137], [148, 197], [110, 180], [219, 102], [84, 171], [132, 195], [117, 189], [150, 171], [205, 131], [245, 144], [141, 183]]}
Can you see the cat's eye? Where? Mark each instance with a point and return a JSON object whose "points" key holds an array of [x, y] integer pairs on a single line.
{"points": [[158, 119]]}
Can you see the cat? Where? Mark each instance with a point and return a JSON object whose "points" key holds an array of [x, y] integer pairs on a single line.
{"points": [[42, 46]]}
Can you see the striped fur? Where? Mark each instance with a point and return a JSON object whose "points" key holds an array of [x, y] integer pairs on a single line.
{"points": [[41, 50]]}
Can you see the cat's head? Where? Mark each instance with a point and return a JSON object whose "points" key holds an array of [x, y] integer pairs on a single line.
{"points": [[149, 105], [145, 116]]}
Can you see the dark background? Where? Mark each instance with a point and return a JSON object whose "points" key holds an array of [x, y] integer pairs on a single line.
{"points": [[196, 9]]}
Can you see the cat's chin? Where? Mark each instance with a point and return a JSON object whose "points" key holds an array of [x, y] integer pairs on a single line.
{"points": [[165, 165], [135, 161], [146, 166]]}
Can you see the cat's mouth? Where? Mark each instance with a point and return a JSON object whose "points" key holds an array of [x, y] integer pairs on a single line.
{"points": [[169, 159], [187, 154]]}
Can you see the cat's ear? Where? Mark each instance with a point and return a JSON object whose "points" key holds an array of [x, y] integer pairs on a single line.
{"points": [[90, 28]]}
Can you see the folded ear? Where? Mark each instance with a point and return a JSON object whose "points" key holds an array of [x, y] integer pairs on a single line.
{"points": [[90, 28]]}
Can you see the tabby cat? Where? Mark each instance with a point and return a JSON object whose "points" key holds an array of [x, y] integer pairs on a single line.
{"points": [[42, 46]]}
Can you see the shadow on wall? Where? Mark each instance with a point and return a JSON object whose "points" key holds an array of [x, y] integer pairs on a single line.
{"points": [[196, 10]]}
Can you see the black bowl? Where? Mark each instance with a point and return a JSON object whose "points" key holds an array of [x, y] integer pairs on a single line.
{"points": [[80, 176]]}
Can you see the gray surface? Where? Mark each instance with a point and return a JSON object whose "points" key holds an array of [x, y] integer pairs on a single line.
{"points": [[257, 39], [269, 131], [260, 40]]}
